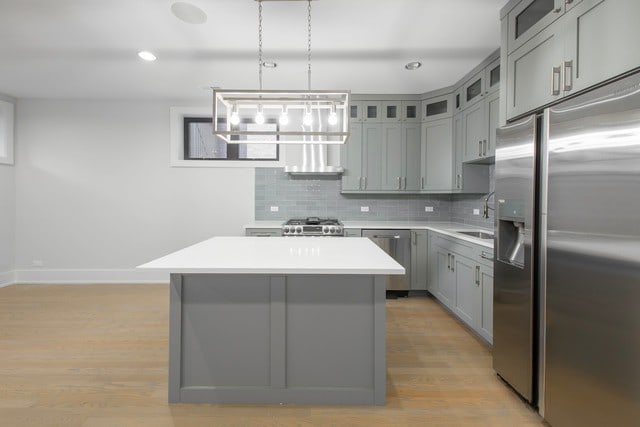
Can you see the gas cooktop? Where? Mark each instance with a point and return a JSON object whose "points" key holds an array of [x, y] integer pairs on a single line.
{"points": [[313, 226]]}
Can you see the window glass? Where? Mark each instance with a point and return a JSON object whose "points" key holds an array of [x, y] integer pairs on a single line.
{"points": [[537, 10], [436, 108]]}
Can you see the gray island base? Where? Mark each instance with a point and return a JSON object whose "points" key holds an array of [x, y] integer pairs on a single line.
{"points": [[277, 338]]}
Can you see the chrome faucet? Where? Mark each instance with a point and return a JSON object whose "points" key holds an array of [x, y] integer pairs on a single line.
{"points": [[485, 213]]}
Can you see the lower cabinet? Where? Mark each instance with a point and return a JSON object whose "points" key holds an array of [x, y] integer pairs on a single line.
{"points": [[263, 232], [419, 260], [352, 232], [460, 276]]}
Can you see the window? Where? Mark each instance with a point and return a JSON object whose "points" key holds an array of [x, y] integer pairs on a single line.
{"points": [[206, 151], [201, 144], [6, 132]]}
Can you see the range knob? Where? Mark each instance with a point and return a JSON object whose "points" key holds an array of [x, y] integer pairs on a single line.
{"points": [[332, 229], [325, 229], [286, 229], [298, 229], [338, 230]]}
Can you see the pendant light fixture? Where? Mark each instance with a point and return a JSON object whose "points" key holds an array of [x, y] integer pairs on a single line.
{"points": [[281, 116]]}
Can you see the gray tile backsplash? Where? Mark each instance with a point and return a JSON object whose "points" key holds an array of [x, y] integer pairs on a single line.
{"points": [[299, 197]]}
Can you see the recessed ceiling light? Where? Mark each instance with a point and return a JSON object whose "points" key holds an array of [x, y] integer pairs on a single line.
{"points": [[147, 56], [267, 64], [413, 65], [189, 13]]}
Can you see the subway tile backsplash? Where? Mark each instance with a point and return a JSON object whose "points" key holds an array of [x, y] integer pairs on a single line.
{"points": [[300, 197]]}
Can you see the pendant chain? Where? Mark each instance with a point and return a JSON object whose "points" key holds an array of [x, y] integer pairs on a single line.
{"points": [[309, 45], [260, 64]]}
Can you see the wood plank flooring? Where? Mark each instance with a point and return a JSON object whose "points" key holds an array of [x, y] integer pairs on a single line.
{"points": [[96, 356]]}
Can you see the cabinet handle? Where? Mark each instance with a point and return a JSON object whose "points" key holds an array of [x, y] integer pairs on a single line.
{"points": [[480, 148], [364, 187], [453, 262], [484, 151], [478, 275], [558, 10], [404, 187], [399, 182], [568, 75], [414, 238], [555, 83], [458, 179], [449, 261], [568, 1], [360, 183], [484, 256], [422, 183]]}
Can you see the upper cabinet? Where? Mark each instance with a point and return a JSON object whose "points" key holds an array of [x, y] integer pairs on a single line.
{"points": [[437, 108], [492, 77], [558, 48], [401, 111], [473, 90]]}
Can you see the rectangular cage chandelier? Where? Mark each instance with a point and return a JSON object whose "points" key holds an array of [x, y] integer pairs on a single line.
{"points": [[281, 116]]}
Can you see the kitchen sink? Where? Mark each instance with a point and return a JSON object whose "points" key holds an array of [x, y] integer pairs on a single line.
{"points": [[478, 234]]}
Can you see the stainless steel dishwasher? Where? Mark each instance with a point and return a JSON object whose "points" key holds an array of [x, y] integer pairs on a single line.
{"points": [[397, 243]]}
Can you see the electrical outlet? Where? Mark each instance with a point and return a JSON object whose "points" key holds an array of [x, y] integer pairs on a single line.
{"points": [[476, 211], [37, 263], [274, 209], [364, 208], [428, 208]]}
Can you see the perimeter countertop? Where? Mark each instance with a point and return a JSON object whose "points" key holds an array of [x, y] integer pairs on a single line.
{"points": [[279, 255], [448, 228]]}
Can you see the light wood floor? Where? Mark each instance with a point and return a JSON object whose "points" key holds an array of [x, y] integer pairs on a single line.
{"points": [[96, 356]]}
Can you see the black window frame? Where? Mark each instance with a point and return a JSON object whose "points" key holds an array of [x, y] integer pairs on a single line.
{"points": [[233, 150]]}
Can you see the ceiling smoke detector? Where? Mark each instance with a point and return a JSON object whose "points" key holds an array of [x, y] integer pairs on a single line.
{"points": [[189, 13], [413, 65]]}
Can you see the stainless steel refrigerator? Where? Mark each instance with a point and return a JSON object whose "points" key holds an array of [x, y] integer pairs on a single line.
{"points": [[567, 269]]}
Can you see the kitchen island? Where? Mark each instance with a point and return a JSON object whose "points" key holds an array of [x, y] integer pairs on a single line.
{"points": [[277, 320]]}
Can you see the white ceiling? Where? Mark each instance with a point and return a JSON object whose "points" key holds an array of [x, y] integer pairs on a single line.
{"points": [[87, 48]]}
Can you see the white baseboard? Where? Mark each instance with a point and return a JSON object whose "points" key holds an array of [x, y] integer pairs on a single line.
{"points": [[7, 278], [42, 276]]}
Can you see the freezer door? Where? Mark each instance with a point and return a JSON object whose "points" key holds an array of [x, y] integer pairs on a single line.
{"points": [[592, 356], [513, 297]]}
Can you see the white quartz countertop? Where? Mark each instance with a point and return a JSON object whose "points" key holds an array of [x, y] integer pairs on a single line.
{"points": [[279, 255], [449, 228]]}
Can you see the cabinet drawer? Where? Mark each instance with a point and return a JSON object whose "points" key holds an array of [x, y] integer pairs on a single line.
{"points": [[263, 232]]}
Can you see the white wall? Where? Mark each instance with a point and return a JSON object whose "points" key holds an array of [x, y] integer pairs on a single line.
{"points": [[95, 195]]}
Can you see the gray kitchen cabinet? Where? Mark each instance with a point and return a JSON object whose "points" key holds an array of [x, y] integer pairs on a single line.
{"points": [[492, 117], [355, 111], [492, 77], [467, 290], [372, 112], [570, 52], [419, 259], [401, 156], [474, 131], [391, 111], [592, 55], [460, 276], [437, 156], [473, 90], [361, 158], [351, 159], [437, 108], [485, 276], [458, 151], [352, 232], [530, 17], [411, 111], [263, 232]]}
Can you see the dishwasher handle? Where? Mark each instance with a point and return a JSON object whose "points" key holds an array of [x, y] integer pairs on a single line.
{"points": [[394, 236]]}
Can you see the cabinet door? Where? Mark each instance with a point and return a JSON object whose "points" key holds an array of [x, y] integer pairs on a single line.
{"points": [[530, 17], [392, 156], [437, 108], [600, 43], [485, 328], [263, 232], [352, 232], [491, 107], [351, 159], [492, 77], [391, 111], [473, 89], [411, 111], [411, 146], [372, 111], [437, 155], [534, 73], [467, 289], [371, 156], [445, 284], [458, 142], [355, 111], [474, 128], [419, 259]]}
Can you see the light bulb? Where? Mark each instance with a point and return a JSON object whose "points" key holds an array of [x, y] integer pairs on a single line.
{"points": [[235, 118], [259, 118], [284, 119], [308, 119], [333, 118]]}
